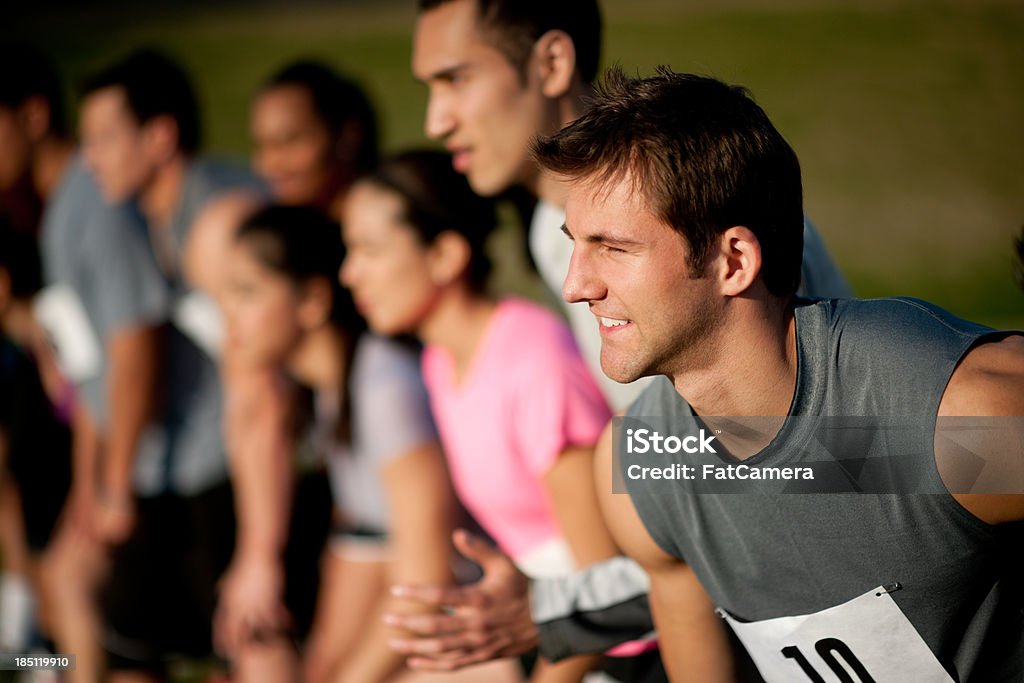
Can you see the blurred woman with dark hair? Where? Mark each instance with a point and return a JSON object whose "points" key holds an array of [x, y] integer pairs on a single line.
{"points": [[371, 420], [517, 410], [313, 131]]}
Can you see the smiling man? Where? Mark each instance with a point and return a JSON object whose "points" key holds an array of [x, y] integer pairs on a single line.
{"points": [[685, 211]]}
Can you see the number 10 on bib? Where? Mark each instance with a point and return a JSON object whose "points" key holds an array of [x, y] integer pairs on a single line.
{"points": [[865, 640]]}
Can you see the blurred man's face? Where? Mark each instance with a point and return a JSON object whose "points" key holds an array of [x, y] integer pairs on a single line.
{"points": [[15, 148], [114, 146], [292, 148], [478, 103]]}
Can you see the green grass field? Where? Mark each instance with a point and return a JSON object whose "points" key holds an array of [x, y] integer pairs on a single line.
{"points": [[908, 115]]}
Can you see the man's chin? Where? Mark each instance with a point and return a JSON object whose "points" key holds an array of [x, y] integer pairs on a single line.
{"points": [[621, 372], [491, 182], [486, 187]]}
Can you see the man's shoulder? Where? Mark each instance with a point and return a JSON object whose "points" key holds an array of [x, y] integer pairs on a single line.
{"points": [[79, 224], [987, 388], [77, 201], [889, 322], [883, 356], [989, 379]]}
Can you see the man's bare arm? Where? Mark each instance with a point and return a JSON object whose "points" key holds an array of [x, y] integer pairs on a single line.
{"points": [[989, 382], [259, 457], [132, 390], [693, 640]]}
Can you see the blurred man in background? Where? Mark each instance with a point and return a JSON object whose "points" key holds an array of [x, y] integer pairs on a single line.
{"points": [[170, 508]]}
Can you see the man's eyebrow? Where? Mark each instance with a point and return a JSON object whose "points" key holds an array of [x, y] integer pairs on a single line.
{"points": [[602, 238], [444, 73]]}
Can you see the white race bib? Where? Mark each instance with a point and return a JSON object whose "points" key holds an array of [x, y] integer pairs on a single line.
{"points": [[61, 313], [865, 640]]}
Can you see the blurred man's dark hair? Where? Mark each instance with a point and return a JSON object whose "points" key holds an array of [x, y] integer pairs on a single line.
{"points": [[154, 85], [517, 24], [27, 73]]}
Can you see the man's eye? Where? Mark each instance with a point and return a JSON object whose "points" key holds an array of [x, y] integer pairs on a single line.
{"points": [[453, 79]]}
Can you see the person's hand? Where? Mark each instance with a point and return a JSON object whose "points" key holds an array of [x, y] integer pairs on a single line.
{"points": [[80, 513], [251, 606], [470, 624], [114, 518]]}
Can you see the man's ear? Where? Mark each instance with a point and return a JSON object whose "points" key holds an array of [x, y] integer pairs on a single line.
{"points": [[160, 136], [555, 55], [739, 260], [314, 309], [449, 256]]}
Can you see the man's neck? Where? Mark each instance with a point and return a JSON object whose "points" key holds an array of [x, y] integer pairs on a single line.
{"points": [[50, 159], [545, 186], [457, 324], [160, 199], [752, 369]]}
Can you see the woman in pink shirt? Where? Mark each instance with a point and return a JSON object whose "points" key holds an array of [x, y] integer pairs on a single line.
{"points": [[516, 408]]}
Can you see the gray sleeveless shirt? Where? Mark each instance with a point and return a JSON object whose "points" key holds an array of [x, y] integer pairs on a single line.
{"points": [[781, 554]]}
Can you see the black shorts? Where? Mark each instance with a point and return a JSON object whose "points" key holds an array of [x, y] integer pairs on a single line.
{"points": [[159, 599], [42, 475], [308, 531], [643, 668], [161, 595]]}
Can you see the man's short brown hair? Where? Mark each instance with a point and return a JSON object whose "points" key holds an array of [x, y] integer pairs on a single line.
{"points": [[702, 154]]}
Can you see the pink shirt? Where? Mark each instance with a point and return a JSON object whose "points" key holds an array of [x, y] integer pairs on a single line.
{"points": [[526, 397]]}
